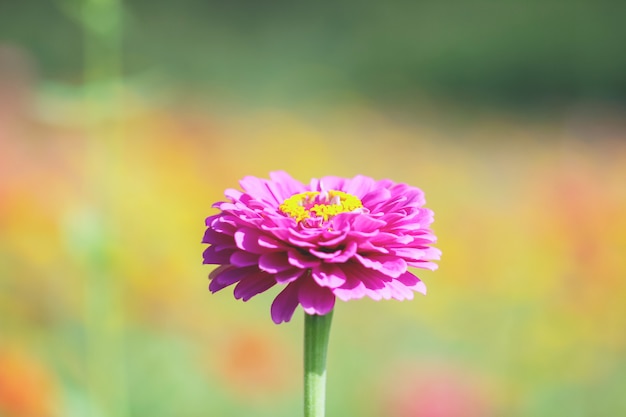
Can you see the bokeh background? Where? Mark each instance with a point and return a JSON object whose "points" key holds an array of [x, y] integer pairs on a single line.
{"points": [[122, 121]]}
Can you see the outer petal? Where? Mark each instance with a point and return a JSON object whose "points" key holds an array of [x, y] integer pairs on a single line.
{"points": [[224, 276], [315, 299], [258, 189], [252, 285], [214, 238], [353, 289], [241, 259], [412, 282], [359, 186], [216, 255], [388, 265], [285, 303]]}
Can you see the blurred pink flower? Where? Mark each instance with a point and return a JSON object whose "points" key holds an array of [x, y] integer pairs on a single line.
{"points": [[436, 391], [334, 238]]}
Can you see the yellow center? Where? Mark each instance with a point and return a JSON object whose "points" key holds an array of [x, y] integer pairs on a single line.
{"points": [[322, 205]]}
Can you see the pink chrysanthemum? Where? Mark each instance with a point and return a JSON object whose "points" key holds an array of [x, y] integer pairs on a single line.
{"points": [[335, 238]]}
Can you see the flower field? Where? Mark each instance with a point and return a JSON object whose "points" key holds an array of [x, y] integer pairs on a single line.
{"points": [[104, 306]]}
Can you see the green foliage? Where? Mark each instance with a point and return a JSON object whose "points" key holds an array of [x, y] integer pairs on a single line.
{"points": [[520, 52]]}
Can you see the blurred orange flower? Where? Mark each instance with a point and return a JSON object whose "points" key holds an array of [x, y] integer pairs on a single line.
{"points": [[26, 387]]}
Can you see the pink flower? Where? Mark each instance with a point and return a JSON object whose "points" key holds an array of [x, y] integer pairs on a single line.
{"points": [[334, 238]]}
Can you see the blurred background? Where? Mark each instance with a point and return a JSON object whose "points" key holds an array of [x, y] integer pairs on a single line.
{"points": [[122, 121]]}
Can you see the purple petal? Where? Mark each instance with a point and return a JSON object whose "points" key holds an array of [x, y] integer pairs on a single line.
{"points": [[218, 271], [289, 275], [222, 277], [224, 224], [216, 255], [285, 303], [212, 237], [241, 258], [252, 285], [274, 262], [315, 299]]}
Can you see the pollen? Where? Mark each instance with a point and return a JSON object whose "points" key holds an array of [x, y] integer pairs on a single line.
{"points": [[316, 206]]}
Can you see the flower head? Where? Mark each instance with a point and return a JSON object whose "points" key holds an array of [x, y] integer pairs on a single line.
{"points": [[333, 238]]}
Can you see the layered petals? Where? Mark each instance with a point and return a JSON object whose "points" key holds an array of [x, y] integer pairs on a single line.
{"points": [[332, 238]]}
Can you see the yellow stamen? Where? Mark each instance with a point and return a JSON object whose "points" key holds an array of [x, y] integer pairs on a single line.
{"points": [[315, 204]]}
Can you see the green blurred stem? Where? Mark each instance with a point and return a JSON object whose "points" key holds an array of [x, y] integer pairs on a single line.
{"points": [[101, 21], [316, 335]]}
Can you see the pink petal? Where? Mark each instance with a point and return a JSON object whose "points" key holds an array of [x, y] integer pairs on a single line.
{"points": [[412, 282], [367, 224], [248, 239], [258, 189], [375, 197], [423, 265], [329, 275], [411, 254], [359, 186], [346, 254], [301, 260], [286, 184], [389, 265], [399, 291], [328, 183], [233, 194], [353, 289]]}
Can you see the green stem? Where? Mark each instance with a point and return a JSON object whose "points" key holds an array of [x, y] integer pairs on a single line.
{"points": [[316, 334]]}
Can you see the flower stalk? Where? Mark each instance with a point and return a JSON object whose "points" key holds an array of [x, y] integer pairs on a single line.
{"points": [[316, 335]]}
